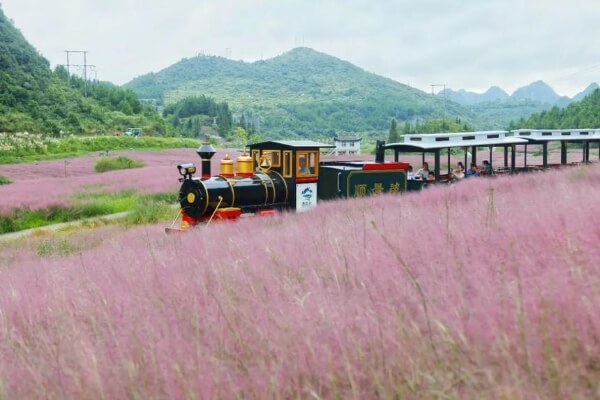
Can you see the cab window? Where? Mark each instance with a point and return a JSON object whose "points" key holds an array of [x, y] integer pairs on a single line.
{"points": [[307, 163], [287, 164], [275, 157]]}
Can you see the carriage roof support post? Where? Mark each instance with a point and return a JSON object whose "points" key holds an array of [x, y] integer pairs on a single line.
{"points": [[545, 155], [466, 153], [513, 157], [491, 156], [505, 156], [587, 151], [396, 152], [473, 155], [563, 152], [436, 169], [449, 159], [525, 157]]}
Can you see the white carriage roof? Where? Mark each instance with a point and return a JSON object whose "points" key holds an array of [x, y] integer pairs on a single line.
{"points": [[548, 135], [436, 141]]}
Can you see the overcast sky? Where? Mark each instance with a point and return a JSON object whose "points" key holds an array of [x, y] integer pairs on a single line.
{"points": [[466, 44]]}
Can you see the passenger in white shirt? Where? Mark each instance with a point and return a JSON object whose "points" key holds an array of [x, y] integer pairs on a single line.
{"points": [[411, 174], [423, 173]]}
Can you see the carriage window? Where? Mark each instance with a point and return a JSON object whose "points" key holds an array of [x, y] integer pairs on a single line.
{"points": [[275, 157], [287, 164], [307, 163]]}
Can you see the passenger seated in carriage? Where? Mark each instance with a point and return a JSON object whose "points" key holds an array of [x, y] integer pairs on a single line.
{"points": [[458, 172], [411, 175], [487, 168], [423, 173], [473, 171]]}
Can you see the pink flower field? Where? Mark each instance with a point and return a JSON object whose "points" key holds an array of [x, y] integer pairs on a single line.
{"points": [[47, 183], [55, 182], [485, 289]]}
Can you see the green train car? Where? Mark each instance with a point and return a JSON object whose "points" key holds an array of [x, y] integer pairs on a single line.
{"points": [[362, 178]]}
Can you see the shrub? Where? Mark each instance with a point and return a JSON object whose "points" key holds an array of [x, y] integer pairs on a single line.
{"points": [[4, 180], [112, 163]]}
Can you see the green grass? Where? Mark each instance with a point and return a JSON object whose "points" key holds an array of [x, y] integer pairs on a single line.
{"points": [[76, 146], [143, 208], [112, 163], [4, 180]]}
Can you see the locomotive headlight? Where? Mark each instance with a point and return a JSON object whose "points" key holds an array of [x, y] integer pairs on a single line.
{"points": [[186, 169]]}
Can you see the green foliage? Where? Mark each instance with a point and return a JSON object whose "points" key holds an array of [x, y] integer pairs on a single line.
{"points": [[35, 99], [300, 94], [4, 180], [91, 204], [56, 247], [112, 163], [436, 126], [583, 114], [394, 137], [21, 147], [187, 115]]}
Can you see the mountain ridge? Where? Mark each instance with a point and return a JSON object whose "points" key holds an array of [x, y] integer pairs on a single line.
{"points": [[537, 91], [300, 93]]}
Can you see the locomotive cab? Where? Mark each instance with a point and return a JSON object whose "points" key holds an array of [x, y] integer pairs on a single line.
{"points": [[277, 175], [298, 164]]}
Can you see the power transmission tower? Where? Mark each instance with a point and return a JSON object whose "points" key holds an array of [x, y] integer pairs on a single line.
{"points": [[443, 85], [85, 66]]}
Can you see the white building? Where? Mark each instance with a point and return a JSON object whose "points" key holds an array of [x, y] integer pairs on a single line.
{"points": [[348, 144]]}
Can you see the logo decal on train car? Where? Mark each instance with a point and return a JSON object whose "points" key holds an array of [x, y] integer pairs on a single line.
{"points": [[307, 193], [306, 196]]}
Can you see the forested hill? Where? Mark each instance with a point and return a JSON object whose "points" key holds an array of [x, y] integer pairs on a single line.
{"points": [[300, 93], [36, 99], [582, 114]]}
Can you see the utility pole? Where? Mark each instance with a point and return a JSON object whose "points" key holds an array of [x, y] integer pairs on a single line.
{"points": [[443, 85], [85, 66]]}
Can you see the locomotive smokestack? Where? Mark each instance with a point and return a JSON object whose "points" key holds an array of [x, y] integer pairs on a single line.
{"points": [[206, 151]]}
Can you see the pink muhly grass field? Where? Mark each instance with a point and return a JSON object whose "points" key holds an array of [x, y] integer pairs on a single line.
{"points": [[48, 183], [485, 289]]}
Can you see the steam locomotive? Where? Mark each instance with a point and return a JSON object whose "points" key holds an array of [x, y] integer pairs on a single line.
{"points": [[277, 175]]}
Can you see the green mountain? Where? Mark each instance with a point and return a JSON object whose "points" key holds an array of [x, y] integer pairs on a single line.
{"points": [[301, 93], [36, 99], [582, 114]]}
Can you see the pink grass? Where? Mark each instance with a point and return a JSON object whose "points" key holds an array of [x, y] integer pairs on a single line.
{"points": [[486, 289], [47, 183]]}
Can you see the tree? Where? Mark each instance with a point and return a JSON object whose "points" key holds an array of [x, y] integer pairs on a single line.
{"points": [[393, 136], [241, 135]]}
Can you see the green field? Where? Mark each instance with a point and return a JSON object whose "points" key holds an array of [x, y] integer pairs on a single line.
{"points": [[22, 147]]}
